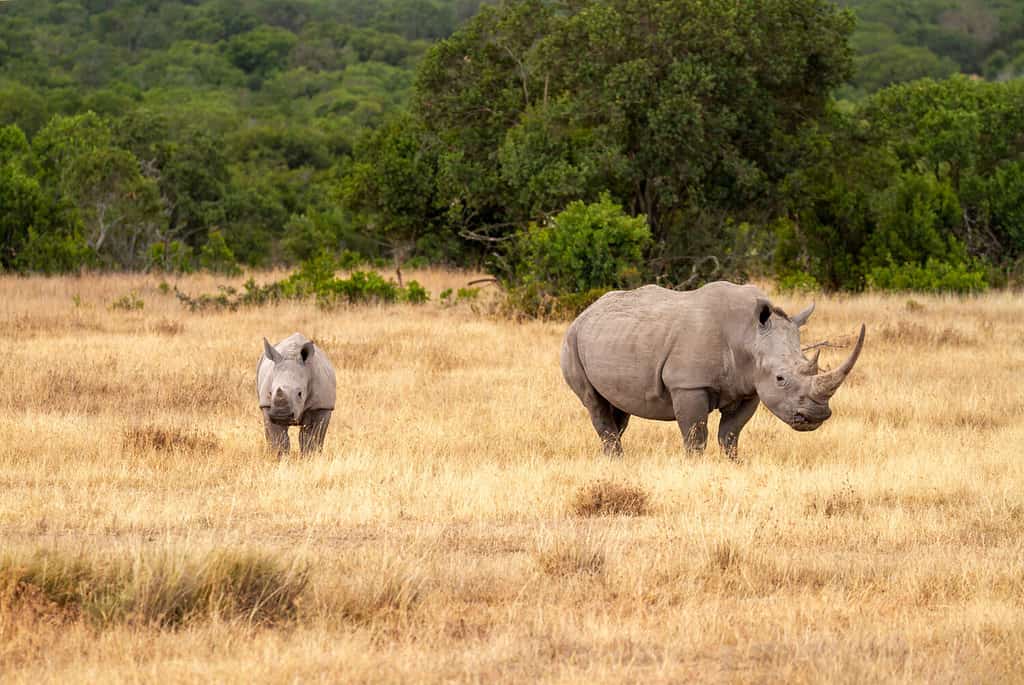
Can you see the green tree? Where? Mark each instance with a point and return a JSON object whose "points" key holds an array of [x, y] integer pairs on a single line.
{"points": [[391, 186]]}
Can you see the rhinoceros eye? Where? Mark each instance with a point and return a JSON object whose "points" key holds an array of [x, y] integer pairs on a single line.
{"points": [[780, 380]]}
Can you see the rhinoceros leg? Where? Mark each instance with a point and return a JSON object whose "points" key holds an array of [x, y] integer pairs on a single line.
{"points": [[691, 408], [277, 435], [733, 420], [314, 427]]}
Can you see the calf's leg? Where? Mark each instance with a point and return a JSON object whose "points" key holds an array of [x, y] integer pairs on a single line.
{"points": [[277, 435], [314, 427]]}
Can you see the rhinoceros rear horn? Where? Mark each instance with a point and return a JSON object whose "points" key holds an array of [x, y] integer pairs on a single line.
{"points": [[272, 354], [810, 367], [826, 384]]}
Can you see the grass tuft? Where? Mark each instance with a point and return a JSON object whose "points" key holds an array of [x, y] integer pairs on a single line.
{"points": [[608, 498], [161, 439], [164, 590]]}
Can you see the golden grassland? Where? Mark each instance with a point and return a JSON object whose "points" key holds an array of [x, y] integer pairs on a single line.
{"points": [[461, 523]]}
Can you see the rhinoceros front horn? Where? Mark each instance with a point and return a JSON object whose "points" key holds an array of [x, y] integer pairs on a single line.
{"points": [[826, 384]]}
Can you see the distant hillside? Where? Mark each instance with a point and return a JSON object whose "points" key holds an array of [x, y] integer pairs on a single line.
{"points": [[901, 40]]}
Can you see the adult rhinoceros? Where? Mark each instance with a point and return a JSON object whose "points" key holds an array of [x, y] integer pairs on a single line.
{"points": [[669, 355]]}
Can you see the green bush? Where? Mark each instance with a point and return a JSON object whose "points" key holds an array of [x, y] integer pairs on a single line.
{"points": [[52, 253], [586, 249], [798, 282], [586, 246], [171, 257], [935, 276], [314, 279], [216, 257]]}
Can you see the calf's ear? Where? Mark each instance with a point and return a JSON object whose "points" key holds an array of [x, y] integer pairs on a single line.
{"points": [[272, 354], [307, 351]]}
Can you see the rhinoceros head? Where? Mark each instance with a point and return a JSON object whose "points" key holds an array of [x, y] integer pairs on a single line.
{"points": [[788, 383], [290, 380]]}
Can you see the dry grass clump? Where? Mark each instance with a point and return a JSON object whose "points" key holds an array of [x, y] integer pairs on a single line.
{"points": [[167, 327], [381, 586], [610, 498], [571, 555], [165, 590], [912, 333], [164, 439]]}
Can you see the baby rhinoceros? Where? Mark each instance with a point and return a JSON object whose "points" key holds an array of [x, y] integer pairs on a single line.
{"points": [[296, 387]]}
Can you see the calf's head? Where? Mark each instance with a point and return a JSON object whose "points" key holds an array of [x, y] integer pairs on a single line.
{"points": [[289, 382], [788, 383]]}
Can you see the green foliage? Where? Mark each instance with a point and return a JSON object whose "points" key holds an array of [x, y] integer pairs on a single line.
{"points": [[53, 253], [314, 279], [171, 257], [798, 282], [128, 303], [910, 39], [586, 246], [216, 257], [586, 249], [934, 276]]}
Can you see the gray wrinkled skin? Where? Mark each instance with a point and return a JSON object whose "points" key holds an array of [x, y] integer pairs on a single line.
{"points": [[296, 387], [668, 355]]}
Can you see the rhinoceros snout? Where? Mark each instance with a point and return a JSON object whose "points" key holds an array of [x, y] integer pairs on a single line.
{"points": [[808, 421]]}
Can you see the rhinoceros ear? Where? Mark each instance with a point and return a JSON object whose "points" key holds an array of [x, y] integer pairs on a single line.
{"points": [[272, 354], [801, 318], [764, 311], [307, 351]]}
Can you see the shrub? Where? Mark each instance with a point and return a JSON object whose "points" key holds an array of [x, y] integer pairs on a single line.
{"points": [[52, 253], [314, 279], [934, 276], [584, 249], [216, 257], [171, 257], [798, 282], [128, 303]]}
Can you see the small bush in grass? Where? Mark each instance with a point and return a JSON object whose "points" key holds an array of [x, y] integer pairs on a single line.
{"points": [[128, 303], [587, 248], [608, 498]]}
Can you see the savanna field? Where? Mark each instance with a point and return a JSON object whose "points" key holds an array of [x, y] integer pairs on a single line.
{"points": [[462, 524]]}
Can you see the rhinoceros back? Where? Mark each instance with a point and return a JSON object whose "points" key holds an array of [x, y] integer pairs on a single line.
{"points": [[637, 346], [323, 386]]}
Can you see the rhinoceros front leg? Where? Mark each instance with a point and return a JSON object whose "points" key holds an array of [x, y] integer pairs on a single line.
{"points": [[733, 420], [277, 435], [314, 427], [691, 408]]}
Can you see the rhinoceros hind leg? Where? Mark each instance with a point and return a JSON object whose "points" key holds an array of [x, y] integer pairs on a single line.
{"points": [[733, 420], [691, 408], [277, 435], [314, 427]]}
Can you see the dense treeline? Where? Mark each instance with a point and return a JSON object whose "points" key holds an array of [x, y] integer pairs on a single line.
{"points": [[750, 137], [144, 131], [903, 40]]}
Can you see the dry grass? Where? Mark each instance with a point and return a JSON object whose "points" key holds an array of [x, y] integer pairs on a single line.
{"points": [[461, 524], [608, 498]]}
